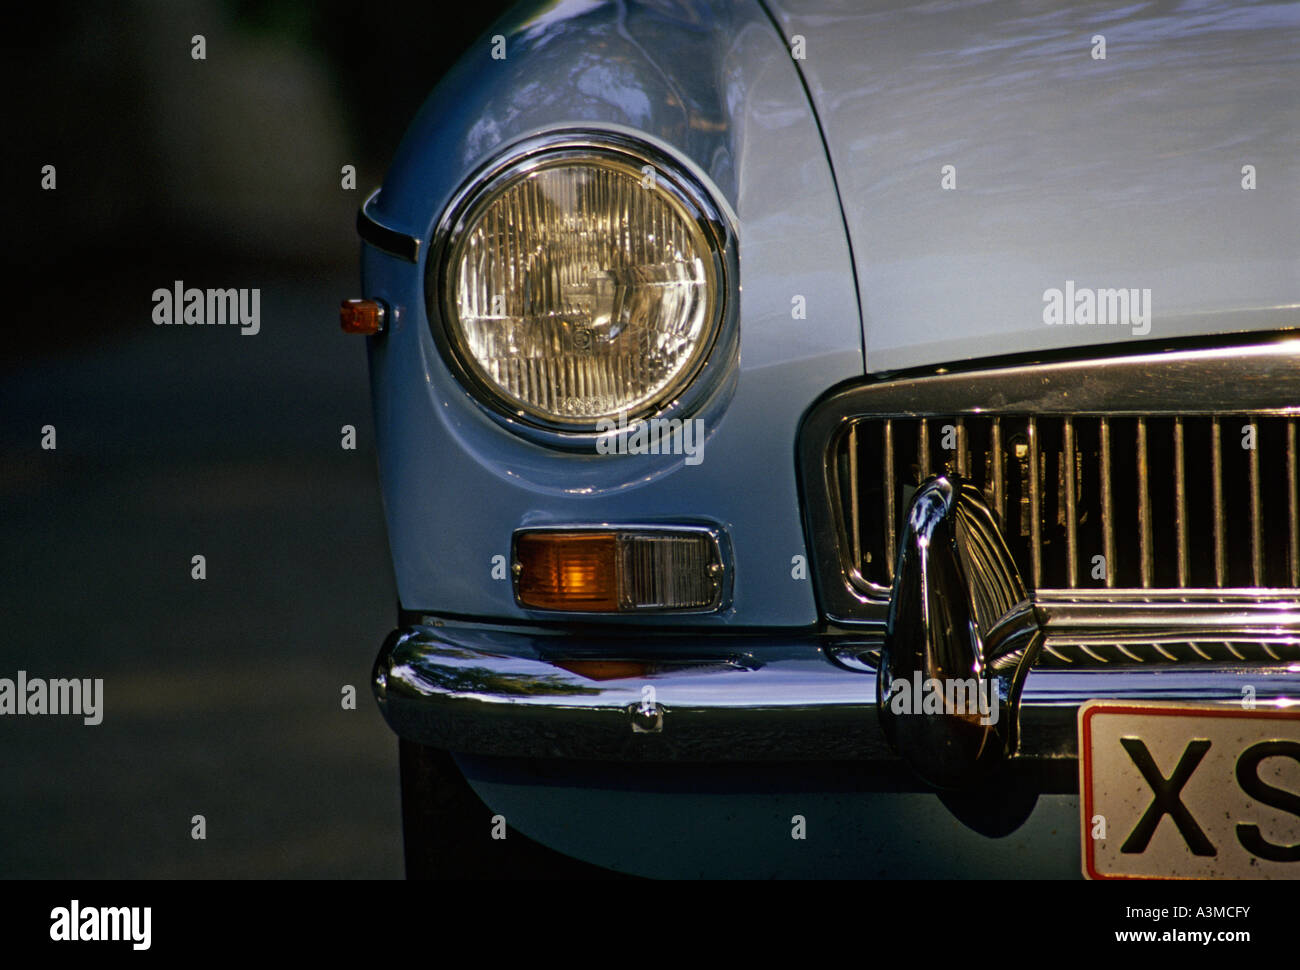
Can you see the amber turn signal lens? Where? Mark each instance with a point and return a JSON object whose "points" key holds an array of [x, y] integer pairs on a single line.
{"points": [[574, 571], [362, 316]]}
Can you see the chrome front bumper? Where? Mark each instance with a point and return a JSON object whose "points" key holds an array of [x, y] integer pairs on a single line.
{"points": [[957, 610], [709, 697]]}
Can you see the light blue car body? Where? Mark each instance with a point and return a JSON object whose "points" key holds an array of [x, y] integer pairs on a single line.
{"points": [[1125, 171]]}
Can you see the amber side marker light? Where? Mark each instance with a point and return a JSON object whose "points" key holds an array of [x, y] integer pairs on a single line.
{"points": [[618, 570], [362, 316]]}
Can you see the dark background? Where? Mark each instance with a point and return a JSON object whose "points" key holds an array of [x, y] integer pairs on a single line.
{"points": [[221, 696]]}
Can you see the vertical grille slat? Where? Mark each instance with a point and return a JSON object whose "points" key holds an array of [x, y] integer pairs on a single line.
{"points": [[1146, 552], [1071, 489], [855, 514], [891, 502], [1035, 506], [997, 460], [1071, 506], [1256, 523], [1107, 505], [1216, 480], [1293, 503], [1180, 499]]}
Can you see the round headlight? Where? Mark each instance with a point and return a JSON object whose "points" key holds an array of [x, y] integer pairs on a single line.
{"points": [[581, 283]]}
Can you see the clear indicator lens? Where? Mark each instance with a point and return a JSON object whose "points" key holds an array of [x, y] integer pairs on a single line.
{"points": [[582, 289], [668, 572]]}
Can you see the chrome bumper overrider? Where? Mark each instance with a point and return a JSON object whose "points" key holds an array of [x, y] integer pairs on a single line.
{"points": [[959, 613], [481, 690]]}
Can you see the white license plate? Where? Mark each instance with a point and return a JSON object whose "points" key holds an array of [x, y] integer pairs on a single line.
{"points": [[1171, 791]]}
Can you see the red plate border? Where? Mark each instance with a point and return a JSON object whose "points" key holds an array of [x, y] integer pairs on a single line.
{"points": [[1155, 708]]}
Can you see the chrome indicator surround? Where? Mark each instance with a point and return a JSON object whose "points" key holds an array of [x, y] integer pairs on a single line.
{"points": [[721, 568]]}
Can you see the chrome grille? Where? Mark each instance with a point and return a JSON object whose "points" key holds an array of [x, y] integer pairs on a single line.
{"points": [[1137, 459], [1164, 502]]}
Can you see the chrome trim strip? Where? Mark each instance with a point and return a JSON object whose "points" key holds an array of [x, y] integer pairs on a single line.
{"points": [[1206, 615], [387, 240], [1260, 378], [1165, 649], [724, 698]]}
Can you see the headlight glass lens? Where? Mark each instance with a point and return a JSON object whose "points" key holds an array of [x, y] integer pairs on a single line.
{"points": [[581, 287]]}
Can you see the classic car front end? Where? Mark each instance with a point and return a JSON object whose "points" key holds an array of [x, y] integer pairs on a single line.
{"points": [[733, 401]]}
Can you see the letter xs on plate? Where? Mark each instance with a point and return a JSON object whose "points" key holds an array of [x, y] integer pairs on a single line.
{"points": [[1170, 791]]}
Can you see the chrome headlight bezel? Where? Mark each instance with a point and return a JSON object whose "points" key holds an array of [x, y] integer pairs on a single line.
{"points": [[688, 391]]}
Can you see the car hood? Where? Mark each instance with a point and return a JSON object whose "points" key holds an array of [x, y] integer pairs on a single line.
{"points": [[1072, 172]]}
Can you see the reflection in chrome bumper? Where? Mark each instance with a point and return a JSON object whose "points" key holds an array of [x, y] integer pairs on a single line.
{"points": [[480, 690]]}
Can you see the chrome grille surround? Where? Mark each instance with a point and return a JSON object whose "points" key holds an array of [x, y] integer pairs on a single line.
{"points": [[1221, 583]]}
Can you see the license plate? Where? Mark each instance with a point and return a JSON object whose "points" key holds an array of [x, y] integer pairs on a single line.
{"points": [[1170, 791]]}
